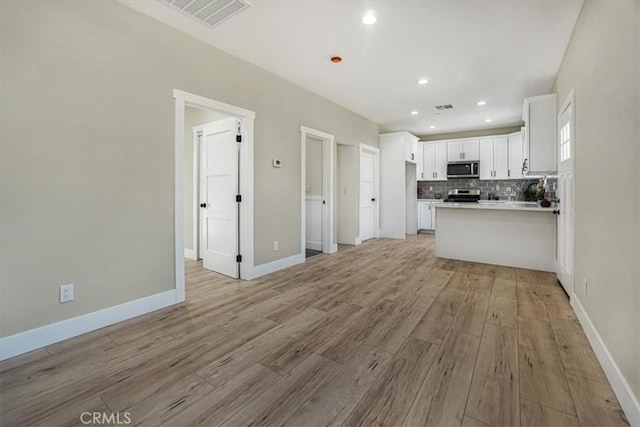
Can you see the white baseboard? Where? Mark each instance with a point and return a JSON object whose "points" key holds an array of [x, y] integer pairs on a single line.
{"points": [[190, 253], [272, 267], [621, 388], [358, 241], [334, 248], [33, 339]]}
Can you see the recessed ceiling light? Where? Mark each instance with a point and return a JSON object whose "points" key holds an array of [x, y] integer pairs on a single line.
{"points": [[482, 103], [487, 120], [336, 59], [423, 81], [414, 113], [369, 18], [432, 127]]}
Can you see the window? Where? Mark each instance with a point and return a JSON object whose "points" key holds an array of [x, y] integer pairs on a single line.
{"points": [[565, 142]]}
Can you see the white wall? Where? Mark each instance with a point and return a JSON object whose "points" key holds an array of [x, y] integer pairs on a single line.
{"points": [[602, 64], [347, 194], [87, 194]]}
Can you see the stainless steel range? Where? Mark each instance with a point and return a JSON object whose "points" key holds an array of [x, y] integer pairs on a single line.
{"points": [[463, 195]]}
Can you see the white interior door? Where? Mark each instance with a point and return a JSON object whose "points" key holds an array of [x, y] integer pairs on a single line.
{"points": [[368, 195], [566, 210], [219, 155]]}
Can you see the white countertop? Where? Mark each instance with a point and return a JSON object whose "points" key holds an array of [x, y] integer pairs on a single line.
{"points": [[431, 200], [498, 205]]}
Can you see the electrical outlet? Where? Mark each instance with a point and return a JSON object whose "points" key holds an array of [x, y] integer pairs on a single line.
{"points": [[586, 287], [66, 293], [276, 246]]}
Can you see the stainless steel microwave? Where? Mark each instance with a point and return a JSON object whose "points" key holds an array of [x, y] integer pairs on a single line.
{"points": [[468, 169]]}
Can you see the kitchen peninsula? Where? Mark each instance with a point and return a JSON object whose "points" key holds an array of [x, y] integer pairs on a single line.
{"points": [[513, 234]]}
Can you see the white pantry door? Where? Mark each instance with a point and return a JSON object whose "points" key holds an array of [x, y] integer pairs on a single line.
{"points": [[368, 192], [565, 209], [218, 189]]}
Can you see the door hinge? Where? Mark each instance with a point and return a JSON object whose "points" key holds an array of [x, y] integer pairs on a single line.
{"points": [[238, 198], [238, 258], [238, 138]]}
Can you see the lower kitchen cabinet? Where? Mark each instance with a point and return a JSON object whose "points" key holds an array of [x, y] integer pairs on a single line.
{"points": [[427, 215]]}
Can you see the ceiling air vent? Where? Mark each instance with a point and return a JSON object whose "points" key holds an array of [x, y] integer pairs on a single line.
{"points": [[210, 12], [444, 107]]}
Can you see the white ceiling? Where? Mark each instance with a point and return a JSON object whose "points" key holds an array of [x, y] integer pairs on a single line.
{"points": [[499, 51]]}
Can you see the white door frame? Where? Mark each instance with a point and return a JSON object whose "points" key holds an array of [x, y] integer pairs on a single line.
{"points": [[376, 189], [247, 117], [328, 172], [569, 101]]}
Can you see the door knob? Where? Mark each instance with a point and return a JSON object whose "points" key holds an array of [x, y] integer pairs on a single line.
{"points": [[373, 200], [556, 212], [203, 205]]}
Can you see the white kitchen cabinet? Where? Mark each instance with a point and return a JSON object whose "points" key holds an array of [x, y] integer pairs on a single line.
{"points": [[420, 162], [411, 143], [494, 158], [434, 161], [424, 215], [466, 149], [427, 214], [539, 116], [516, 156]]}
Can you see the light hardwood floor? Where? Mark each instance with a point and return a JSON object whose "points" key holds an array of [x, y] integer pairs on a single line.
{"points": [[380, 334]]}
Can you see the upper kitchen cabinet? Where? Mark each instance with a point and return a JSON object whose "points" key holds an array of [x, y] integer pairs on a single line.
{"points": [[467, 149], [403, 141], [501, 157], [494, 158], [434, 161], [539, 116], [412, 148], [516, 156]]}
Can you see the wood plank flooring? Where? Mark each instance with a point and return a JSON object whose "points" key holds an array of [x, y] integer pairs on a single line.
{"points": [[381, 334]]}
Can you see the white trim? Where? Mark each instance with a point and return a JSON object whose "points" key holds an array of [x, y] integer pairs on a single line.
{"points": [[196, 192], [271, 267], [621, 388], [191, 254], [358, 241], [33, 339], [328, 171], [317, 133], [182, 100]]}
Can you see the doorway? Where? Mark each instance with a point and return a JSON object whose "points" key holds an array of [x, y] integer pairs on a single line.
{"points": [[566, 194], [369, 188], [317, 195], [241, 214]]}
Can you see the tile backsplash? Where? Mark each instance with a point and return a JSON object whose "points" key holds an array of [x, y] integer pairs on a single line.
{"points": [[511, 189]]}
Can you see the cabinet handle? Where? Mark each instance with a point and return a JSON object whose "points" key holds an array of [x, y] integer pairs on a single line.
{"points": [[421, 174], [412, 156], [464, 155], [509, 172]]}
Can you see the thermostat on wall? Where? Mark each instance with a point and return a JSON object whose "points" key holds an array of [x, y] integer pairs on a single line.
{"points": [[276, 163]]}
